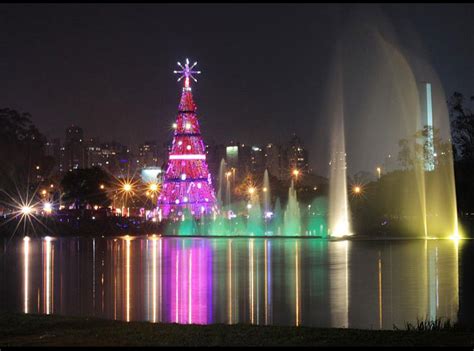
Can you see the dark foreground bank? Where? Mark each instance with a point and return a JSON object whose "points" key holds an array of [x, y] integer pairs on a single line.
{"points": [[41, 330]]}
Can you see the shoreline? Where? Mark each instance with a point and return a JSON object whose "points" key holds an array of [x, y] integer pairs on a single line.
{"points": [[55, 330], [268, 237]]}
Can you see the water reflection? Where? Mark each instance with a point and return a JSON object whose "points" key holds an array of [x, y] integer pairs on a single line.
{"points": [[26, 264], [359, 284]]}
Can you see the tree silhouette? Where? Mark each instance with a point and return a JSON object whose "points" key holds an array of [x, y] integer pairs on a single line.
{"points": [[82, 187]]}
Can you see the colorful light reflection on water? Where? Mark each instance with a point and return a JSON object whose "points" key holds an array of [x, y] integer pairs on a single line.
{"points": [[360, 284]]}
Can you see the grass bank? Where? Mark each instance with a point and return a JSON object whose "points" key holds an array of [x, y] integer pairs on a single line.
{"points": [[42, 330]]}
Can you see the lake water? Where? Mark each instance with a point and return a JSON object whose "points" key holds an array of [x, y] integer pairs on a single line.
{"points": [[308, 282]]}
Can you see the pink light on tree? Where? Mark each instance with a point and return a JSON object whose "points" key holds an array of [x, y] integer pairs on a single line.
{"points": [[187, 182]]}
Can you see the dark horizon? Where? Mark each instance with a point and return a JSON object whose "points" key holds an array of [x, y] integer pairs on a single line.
{"points": [[108, 68]]}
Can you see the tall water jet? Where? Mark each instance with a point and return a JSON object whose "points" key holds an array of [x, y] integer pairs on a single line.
{"points": [[228, 191], [397, 103], [277, 219], [266, 193], [339, 221], [255, 224], [220, 201], [292, 216], [317, 222]]}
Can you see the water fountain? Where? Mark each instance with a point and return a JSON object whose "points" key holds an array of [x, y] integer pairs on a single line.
{"points": [[396, 103], [266, 193], [317, 217], [187, 224], [255, 222], [222, 168], [339, 220], [292, 216], [277, 221]]}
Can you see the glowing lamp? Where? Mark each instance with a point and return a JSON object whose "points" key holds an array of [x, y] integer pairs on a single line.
{"points": [[47, 207], [26, 210]]}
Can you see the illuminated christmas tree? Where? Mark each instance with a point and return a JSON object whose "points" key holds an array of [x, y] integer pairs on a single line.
{"points": [[187, 182]]}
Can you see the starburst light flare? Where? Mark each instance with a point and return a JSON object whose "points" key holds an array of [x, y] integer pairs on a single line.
{"points": [[187, 72]]}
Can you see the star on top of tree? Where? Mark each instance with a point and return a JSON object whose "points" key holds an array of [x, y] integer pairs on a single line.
{"points": [[187, 72]]}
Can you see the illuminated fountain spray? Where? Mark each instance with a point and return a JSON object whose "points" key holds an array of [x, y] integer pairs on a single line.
{"points": [[394, 101], [339, 218], [187, 224], [277, 222], [255, 223], [220, 201], [266, 194], [227, 190], [292, 216]]}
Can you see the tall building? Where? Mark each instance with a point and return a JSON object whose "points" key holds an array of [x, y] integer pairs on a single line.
{"points": [[297, 155], [148, 154], [426, 106], [242, 158], [93, 153], [257, 160], [276, 161], [53, 149], [73, 150], [117, 158]]}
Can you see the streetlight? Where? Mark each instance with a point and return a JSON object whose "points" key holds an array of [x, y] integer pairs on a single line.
{"points": [[296, 173], [26, 210], [47, 207], [127, 187], [379, 171]]}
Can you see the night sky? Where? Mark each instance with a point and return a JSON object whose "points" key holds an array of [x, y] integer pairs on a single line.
{"points": [[108, 68]]}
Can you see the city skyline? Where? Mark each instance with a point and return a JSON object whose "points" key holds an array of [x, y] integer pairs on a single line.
{"points": [[106, 68]]}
